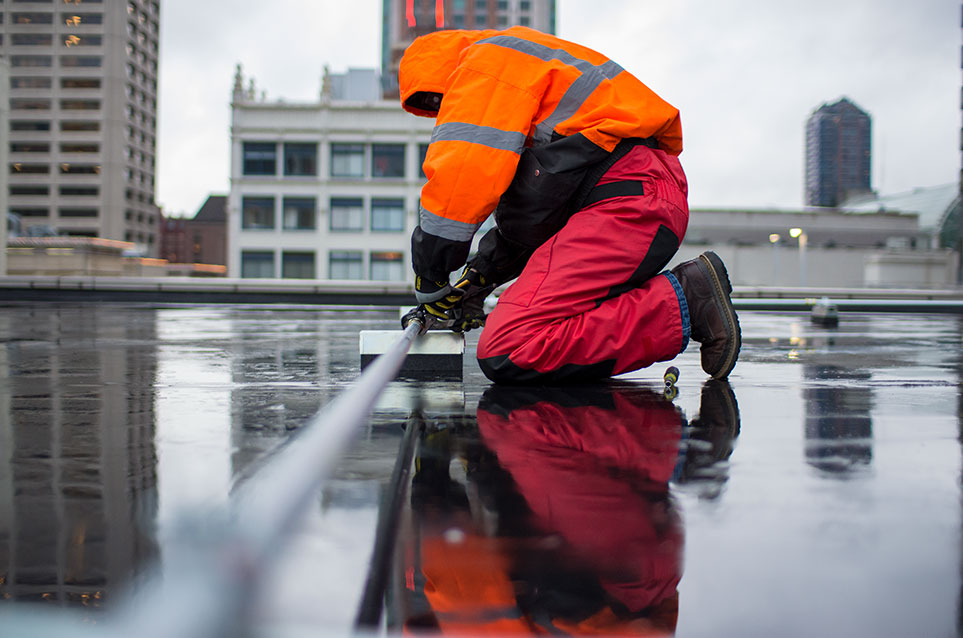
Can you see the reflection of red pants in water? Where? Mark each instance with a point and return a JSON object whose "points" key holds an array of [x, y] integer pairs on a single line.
{"points": [[596, 476], [590, 302]]}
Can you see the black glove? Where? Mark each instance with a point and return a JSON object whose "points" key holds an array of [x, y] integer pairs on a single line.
{"points": [[459, 307], [470, 313], [437, 298]]}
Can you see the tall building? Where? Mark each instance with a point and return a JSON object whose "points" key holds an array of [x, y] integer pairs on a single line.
{"points": [[404, 20], [838, 153], [83, 116], [4, 79]]}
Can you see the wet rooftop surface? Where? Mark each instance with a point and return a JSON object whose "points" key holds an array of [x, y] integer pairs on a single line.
{"points": [[816, 493]]}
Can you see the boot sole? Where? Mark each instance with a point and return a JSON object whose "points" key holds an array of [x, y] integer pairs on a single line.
{"points": [[723, 288]]}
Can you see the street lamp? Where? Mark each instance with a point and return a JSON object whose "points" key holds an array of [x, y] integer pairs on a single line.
{"points": [[774, 240], [799, 233]]}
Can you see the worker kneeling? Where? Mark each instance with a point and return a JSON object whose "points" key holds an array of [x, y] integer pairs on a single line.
{"points": [[578, 161]]}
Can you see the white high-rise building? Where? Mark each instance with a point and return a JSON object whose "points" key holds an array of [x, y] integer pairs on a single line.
{"points": [[324, 190], [83, 116]]}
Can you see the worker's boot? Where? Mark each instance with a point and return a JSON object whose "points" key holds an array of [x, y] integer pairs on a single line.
{"points": [[710, 439], [705, 284]]}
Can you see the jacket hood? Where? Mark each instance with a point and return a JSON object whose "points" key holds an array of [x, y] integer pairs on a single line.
{"points": [[427, 64]]}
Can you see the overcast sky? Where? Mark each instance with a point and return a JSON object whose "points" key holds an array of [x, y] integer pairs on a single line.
{"points": [[744, 73]]}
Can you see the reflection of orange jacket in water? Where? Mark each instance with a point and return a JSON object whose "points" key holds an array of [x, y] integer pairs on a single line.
{"points": [[593, 473]]}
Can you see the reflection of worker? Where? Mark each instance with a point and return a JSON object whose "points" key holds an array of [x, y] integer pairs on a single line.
{"points": [[565, 523], [578, 161]]}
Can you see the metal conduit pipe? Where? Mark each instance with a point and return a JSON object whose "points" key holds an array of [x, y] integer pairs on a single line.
{"points": [[215, 565]]}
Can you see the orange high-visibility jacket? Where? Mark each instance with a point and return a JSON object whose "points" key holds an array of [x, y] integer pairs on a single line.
{"points": [[503, 91]]}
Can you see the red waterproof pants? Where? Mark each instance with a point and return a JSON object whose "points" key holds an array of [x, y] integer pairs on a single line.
{"points": [[591, 301]]}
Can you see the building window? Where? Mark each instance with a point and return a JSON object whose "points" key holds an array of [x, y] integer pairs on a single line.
{"points": [[79, 148], [388, 160], [77, 212], [347, 214], [30, 83], [66, 168], [503, 5], [79, 125], [79, 83], [387, 266], [256, 264], [79, 105], [300, 159], [297, 265], [31, 39], [32, 191], [30, 211], [298, 213], [422, 154], [31, 61], [77, 19], [71, 61], [257, 213], [29, 125], [83, 41], [29, 104], [347, 160], [387, 215], [345, 264], [524, 21], [260, 158], [80, 191], [29, 147], [32, 18], [525, 5], [29, 169]]}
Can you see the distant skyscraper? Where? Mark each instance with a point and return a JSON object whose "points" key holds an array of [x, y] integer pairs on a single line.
{"points": [[404, 20], [82, 116], [838, 153]]}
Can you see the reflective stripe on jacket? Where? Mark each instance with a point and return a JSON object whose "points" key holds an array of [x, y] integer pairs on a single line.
{"points": [[507, 90]]}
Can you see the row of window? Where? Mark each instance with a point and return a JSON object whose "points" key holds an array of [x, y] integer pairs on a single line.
{"points": [[66, 168], [458, 21], [347, 159], [140, 238], [342, 264], [44, 125], [46, 39], [140, 196], [140, 117], [67, 61], [43, 104], [346, 214], [140, 217], [70, 19], [46, 82], [63, 211], [44, 147], [134, 74], [42, 190], [132, 176], [482, 5], [75, 2]]}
